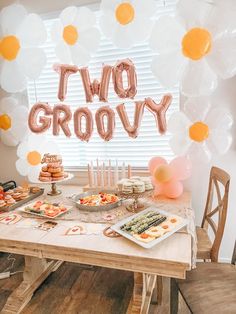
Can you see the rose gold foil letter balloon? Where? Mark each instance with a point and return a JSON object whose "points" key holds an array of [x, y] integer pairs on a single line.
{"points": [[96, 88], [44, 122], [131, 130], [117, 75], [159, 111], [61, 121], [64, 71], [78, 115], [107, 112]]}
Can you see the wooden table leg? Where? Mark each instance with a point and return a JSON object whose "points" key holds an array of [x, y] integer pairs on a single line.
{"points": [[35, 272], [142, 293]]}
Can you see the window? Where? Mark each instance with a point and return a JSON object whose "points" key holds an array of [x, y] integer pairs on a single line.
{"points": [[137, 151]]}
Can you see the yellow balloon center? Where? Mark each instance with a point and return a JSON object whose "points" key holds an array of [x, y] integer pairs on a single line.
{"points": [[199, 132], [163, 173], [34, 158], [196, 43], [5, 122], [9, 47], [70, 34], [125, 13]]}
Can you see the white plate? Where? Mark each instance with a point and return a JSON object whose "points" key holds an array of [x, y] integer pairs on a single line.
{"points": [[22, 209], [150, 244]]}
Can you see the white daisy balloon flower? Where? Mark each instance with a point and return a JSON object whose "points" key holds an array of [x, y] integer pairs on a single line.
{"points": [[127, 22], [193, 48], [13, 124], [30, 153], [75, 36], [201, 131], [21, 34]]}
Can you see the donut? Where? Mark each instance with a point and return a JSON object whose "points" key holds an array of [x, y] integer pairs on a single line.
{"points": [[9, 192], [23, 196], [45, 179], [2, 204], [45, 174], [16, 195], [58, 174], [45, 168], [54, 170]]}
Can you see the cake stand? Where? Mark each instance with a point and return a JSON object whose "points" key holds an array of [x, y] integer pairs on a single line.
{"points": [[54, 191], [136, 205]]}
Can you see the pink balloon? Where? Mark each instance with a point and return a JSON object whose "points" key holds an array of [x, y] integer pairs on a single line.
{"points": [[105, 134], [157, 190], [182, 168], [159, 111], [62, 122], [78, 115], [155, 162], [44, 122], [64, 71], [173, 189], [96, 88], [117, 72], [131, 130]]}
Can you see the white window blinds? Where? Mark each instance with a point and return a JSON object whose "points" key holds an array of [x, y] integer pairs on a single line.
{"points": [[137, 151]]}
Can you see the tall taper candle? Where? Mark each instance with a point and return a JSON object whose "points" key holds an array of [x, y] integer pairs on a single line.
{"points": [[129, 172], [89, 176], [98, 174], [102, 174], [109, 178], [123, 171], [92, 175], [116, 174]]}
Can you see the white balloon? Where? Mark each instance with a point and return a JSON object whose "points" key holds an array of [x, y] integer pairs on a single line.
{"points": [[222, 57], [22, 167], [32, 31], [68, 15], [11, 17], [168, 72], [12, 79], [196, 108], [79, 55], [198, 79], [90, 39], [31, 62]]}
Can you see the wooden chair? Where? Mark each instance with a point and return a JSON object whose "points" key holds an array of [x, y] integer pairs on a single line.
{"points": [[207, 250], [210, 288]]}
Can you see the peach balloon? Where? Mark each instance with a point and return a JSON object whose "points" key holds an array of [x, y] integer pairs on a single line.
{"points": [[61, 121], [117, 76], [85, 113], [154, 162], [173, 189], [182, 168], [102, 112], [159, 111], [167, 178], [64, 71], [44, 122], [163, 173], [96, 88], [132, 130]]}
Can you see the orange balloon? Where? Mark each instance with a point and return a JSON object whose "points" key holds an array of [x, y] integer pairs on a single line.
{"points": [[163, 173]]}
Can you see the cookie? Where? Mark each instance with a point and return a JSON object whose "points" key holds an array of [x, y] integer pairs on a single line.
{"points": [[127, 187], [143, 237], [139, 187]]}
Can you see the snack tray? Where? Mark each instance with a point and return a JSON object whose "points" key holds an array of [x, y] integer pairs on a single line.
{"points": [[24, 201], [22, 209], [149, 245], [75, 199]]}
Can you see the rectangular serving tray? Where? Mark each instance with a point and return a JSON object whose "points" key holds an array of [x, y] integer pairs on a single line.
{"points": [[22, 209], [22, 202], [149, 245]]}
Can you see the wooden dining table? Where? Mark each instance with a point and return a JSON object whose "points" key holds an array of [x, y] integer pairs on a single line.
{"points": [[44, 252]]}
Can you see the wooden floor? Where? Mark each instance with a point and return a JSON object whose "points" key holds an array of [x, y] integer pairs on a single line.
{"points": [[79, 289]]}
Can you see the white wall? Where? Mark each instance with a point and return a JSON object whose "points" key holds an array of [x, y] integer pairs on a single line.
{"points": [[224, 95]]}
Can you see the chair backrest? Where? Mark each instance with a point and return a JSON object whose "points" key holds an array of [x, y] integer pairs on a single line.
{"points": [[217, 176], [233, 261]]}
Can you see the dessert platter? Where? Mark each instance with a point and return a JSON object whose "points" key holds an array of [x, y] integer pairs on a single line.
{"points": [[18, 196], [45, 209], [53, 172], [96, 201], [149, 227], [135, 188]]}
